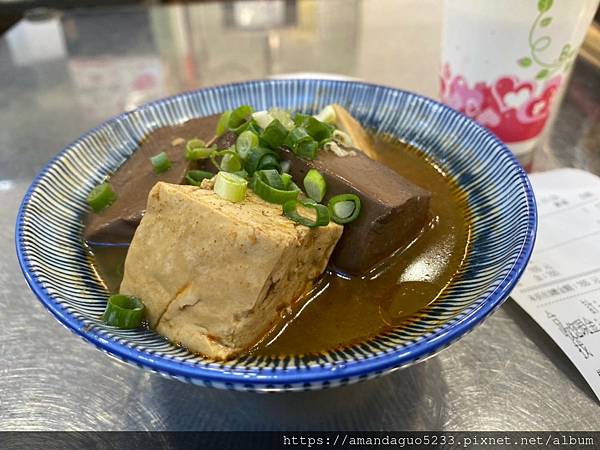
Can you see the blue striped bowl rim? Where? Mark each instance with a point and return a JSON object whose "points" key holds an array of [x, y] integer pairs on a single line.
{"points": [[500, 199]]}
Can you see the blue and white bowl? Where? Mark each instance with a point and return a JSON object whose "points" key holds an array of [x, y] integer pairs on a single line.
{"points": [[498, 195]]}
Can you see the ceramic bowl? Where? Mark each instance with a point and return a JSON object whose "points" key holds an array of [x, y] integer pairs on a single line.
{"points": [[500, 203]]}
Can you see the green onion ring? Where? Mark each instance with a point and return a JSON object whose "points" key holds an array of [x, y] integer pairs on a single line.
{"points": [[223, 123], [261, 158], [160, 162], [195, 177], [101, 197], [314, 185], [230, 187], [246, 142], [274, 135], [230, 161], [196, 153], [124, 311], [270, 193], [290, 209], [341, 210]]}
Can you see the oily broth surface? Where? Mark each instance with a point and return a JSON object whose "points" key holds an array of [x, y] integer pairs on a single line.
{"points": [[342, 311]]}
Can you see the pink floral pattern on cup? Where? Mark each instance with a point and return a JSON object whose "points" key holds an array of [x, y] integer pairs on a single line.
{"points": [[512, 109]]}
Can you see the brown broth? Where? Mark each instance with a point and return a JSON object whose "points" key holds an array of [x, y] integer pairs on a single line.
{"points": [[342, 311]]}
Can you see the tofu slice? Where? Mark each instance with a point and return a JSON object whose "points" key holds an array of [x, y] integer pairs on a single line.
{"points": [[215, 275]]}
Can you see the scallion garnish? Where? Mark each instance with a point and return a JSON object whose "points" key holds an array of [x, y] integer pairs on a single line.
{"points": [[290, 209], [195, 177], [246, 141], [161, 162], [262, 118], [239, 115], [286, 179], [270, 186], [296, 136], [344, 208], [327, 115], [223, 123], [101, 197], [196, 149], [261, 158], [307, 149], [195, 143], [232, 119], [230, 186], [274, 135], [241, 173], [315, 128], [230, 161], [124, 311], [314, 185], [283, 116]]}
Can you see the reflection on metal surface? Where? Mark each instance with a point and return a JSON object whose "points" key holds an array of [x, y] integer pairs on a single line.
{"points": [[37, 39], [260, 14]]}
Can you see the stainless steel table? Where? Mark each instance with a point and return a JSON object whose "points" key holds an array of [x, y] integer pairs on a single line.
{"points": [[60, 75]]}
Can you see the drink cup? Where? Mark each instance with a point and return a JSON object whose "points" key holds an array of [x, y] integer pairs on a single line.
{"points": [[505, 63]]}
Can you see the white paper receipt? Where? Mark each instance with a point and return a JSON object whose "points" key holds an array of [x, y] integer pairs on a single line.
{"points": [[560, 289]]}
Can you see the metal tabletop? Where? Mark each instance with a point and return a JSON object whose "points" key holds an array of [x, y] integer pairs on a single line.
{"points": [[61, 75]]}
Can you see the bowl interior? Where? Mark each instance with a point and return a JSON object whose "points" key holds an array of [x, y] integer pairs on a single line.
{"points": [[499, 199]]}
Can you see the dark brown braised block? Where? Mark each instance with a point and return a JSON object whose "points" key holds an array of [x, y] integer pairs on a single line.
{"points": [[136, 177], [394, 210]]}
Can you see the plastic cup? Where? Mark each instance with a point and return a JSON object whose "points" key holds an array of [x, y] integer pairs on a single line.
{"points": [[504, 63]]}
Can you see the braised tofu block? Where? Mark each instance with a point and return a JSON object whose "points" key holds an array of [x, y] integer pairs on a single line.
{"points": [[394, 210], [348, 124], [134, 179], [215, 275]]}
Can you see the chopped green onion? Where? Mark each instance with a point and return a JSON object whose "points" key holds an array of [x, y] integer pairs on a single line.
{"points": [[296, 136], [223, 123], [241, 173], [239, 116], [315, 128], [285, 166], [161, 162], [327, 115], [271, 194], [272, 178], [194, 153], [261, 158], [230, 187], [262, 118], [344, 208], [314, 185], [230, 161], [300, 119], [342, 138], [318, 130], [124, 311], [232, 119], [269, 162], [274, 135], [195, 143], [283, 116], [307, 149], [246, 141], [101, 197], [290, 209], [195, 177], [286, 179]]}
